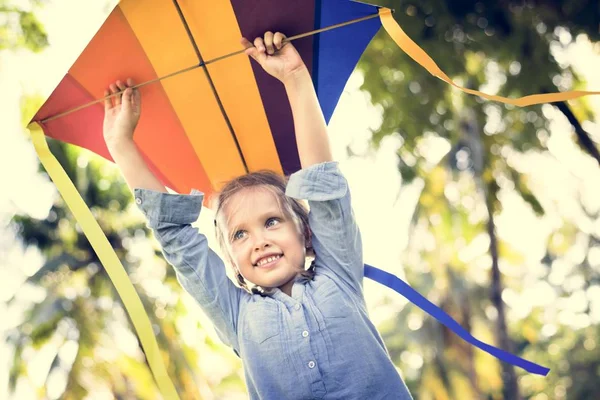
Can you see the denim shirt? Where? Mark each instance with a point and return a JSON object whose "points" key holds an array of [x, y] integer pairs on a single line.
{"points": [[317, 344]]}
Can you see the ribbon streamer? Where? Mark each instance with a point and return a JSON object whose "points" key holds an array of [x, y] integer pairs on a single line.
{"points": [[423, 59], [420, 301], [109, 260]]}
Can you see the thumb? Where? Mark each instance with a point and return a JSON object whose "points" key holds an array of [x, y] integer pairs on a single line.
{"points": [[127, 99], [258, 54]]}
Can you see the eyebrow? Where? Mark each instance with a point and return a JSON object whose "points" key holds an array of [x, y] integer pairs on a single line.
{"points": [[269, 213]]}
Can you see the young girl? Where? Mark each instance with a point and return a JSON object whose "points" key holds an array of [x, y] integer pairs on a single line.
{"points": [[301, 332]]}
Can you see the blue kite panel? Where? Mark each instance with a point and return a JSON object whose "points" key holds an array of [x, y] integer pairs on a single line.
{"points": [[337, 52]]}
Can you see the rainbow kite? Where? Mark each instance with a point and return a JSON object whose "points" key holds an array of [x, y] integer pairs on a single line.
{"points": [[210, 114]]}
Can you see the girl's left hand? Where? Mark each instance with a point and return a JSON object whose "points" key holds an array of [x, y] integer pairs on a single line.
{"points": [[278, 58]]}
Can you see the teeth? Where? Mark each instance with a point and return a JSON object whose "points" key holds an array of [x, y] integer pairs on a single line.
{"points": [[267, 260]]}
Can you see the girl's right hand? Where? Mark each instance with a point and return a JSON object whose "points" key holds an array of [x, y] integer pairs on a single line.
{"points": [[121, 112]]}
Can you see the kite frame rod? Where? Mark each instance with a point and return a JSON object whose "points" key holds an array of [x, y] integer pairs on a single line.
{"points": [[212, 85], [202, 64]]}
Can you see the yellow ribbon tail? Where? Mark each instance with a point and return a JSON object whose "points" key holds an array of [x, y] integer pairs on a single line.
{"points": [[109, 260], [422, 58]]}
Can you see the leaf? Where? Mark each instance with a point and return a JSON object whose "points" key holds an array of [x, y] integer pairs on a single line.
{"points": [[34, 36]]}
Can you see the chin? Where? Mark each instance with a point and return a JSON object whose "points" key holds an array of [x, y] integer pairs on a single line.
{"points": [[275, 284]]}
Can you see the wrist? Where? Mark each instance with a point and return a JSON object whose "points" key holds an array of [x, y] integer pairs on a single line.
{"points": [[296, 76], [115, 144]]}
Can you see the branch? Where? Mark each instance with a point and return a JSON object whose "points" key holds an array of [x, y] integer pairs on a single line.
{"points": [[584, 139]]}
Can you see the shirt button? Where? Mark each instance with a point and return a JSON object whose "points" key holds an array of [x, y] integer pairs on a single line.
{"points": [[311, 364], [138, 200], [305, 334], [297, 306]]}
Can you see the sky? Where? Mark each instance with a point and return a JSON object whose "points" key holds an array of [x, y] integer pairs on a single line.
{"points": [[382, 206]]}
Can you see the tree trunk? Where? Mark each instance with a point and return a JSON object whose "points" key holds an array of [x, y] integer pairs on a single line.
{"points": [[471, 370], [510, 390], [472, 136]]}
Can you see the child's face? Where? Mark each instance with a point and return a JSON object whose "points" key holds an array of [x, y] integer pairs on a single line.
{"points": [[265, 245]]}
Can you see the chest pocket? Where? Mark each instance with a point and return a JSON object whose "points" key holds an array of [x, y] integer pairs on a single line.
{"points": [[261, 322], [331, 301]]}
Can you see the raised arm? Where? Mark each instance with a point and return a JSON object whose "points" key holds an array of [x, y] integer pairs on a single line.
{"points": [[170, 216], [121, 115], [281, 60], [336, 236], [309, 123]]}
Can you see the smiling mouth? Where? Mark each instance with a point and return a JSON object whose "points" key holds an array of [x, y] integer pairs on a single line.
{"points": [[267, 261]]}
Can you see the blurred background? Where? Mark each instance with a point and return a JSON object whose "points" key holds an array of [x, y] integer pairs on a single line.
{"points": [[490, 211]]}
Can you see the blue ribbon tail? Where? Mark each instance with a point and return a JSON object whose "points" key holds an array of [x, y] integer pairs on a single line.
{"points": [[398, 285]]}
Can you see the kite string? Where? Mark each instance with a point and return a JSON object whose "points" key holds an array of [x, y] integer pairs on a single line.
{"points": [[202, 64]]}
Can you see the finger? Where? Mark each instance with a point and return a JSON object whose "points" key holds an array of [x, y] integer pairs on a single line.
{"points": [[107, 100], [259, 44], [278, 40], [113, 90], [260, 54], [269, 42], [127, 98], [122, 86], [136, 97]]}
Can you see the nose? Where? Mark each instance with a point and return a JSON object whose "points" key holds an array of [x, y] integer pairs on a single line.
{"points": [[260, 242]]}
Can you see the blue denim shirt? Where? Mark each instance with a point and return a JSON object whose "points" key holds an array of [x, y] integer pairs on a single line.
{"points": [[317, 344]]}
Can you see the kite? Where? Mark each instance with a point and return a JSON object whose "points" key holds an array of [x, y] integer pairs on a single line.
{"points": [[210, 114]]}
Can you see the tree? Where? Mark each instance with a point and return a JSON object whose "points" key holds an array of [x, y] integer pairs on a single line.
{"points": [[508, 46]]}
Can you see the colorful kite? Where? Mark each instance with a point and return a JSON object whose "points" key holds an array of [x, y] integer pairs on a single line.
{"points": [[210, 114]]}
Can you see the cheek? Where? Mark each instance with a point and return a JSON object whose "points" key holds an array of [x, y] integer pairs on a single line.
{"points": [[237, 253], [294, 241]]}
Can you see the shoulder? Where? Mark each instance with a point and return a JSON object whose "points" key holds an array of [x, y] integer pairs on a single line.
{"points": [[319, 182]]}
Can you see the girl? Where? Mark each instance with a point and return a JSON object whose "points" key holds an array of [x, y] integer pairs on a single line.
{"points": [[301, 333]]}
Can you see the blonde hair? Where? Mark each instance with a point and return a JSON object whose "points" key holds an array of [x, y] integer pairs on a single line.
{"points": [[292, 208]]}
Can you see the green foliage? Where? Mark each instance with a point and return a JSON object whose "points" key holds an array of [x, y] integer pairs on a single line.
{"points": [[473, 43], [20, 28], [499, 48]]}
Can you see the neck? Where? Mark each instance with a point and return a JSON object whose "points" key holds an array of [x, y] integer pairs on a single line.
{"points": [[287, 287]]}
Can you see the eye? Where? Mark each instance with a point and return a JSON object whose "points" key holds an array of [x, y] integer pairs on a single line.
{"points": [[238, 235], [272, 222]]}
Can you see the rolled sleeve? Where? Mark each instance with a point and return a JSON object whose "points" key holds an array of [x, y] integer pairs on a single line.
{"points": [[166, 207], [320, 182], [336, 237]]}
